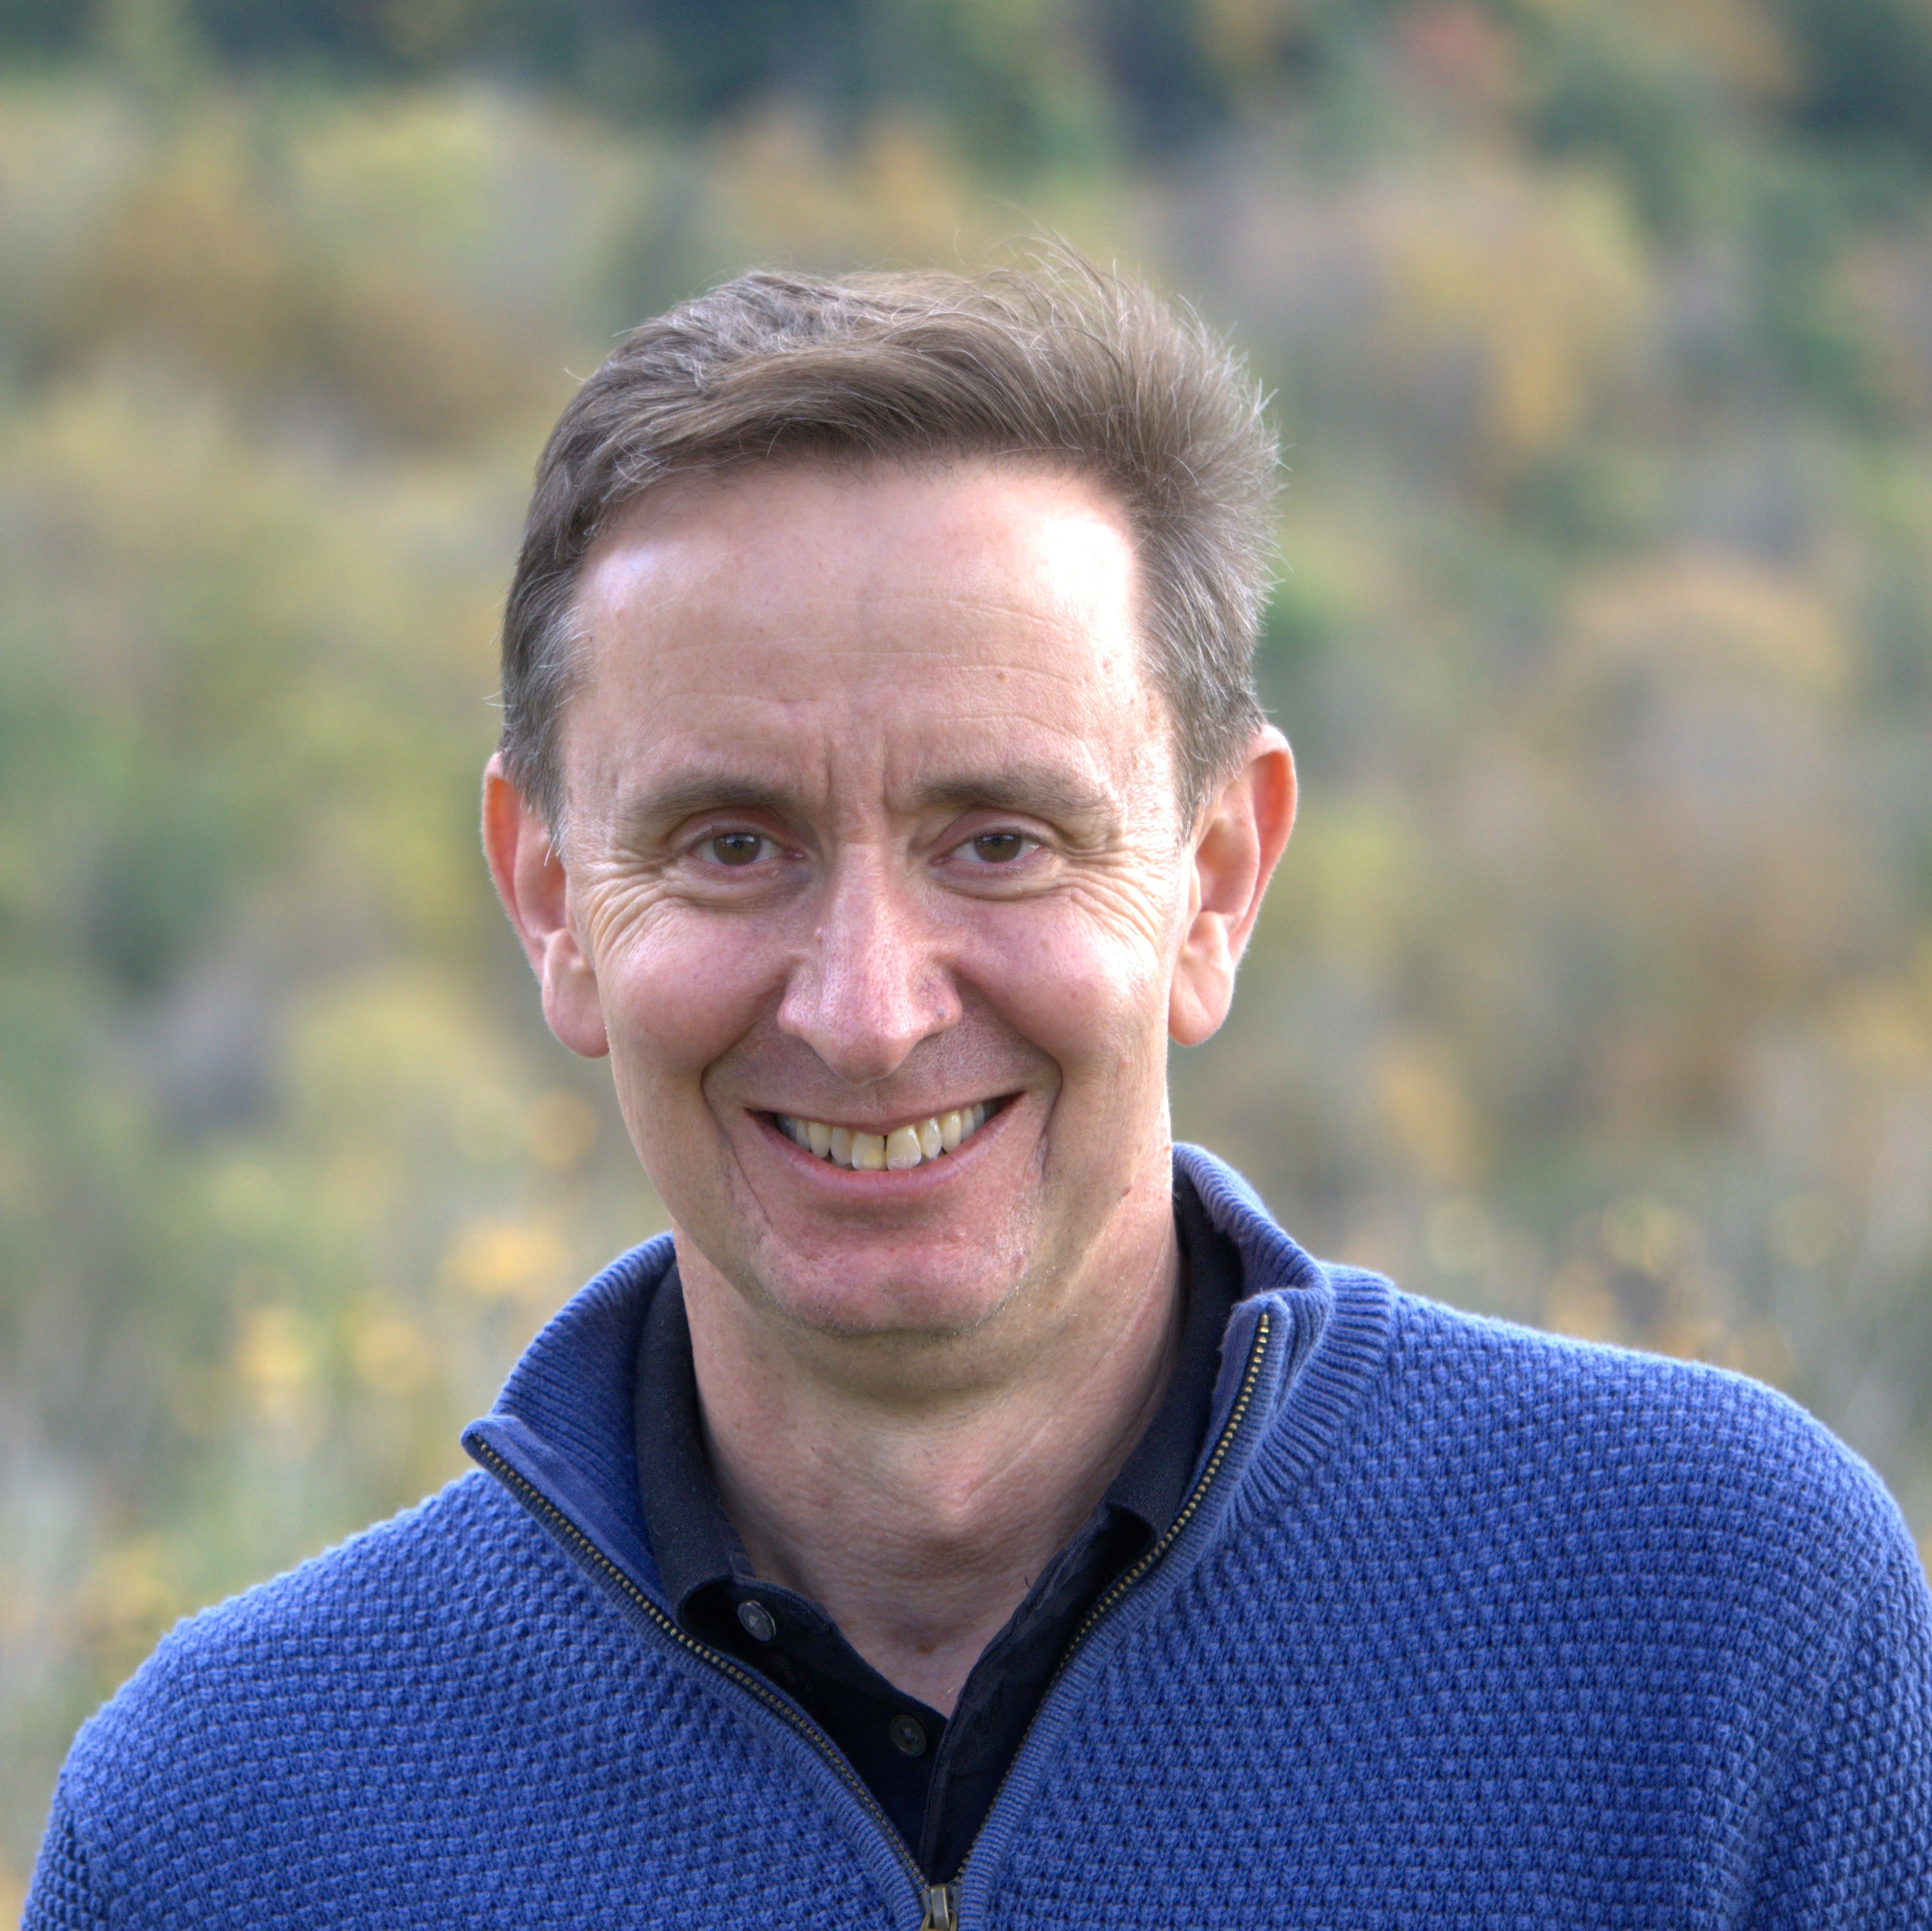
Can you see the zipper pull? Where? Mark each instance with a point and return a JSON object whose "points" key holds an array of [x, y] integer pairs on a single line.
{"points": [[939, 1915]]}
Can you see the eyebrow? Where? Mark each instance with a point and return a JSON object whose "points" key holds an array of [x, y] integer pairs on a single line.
{"points": [[1039, 791], [669, 804]]}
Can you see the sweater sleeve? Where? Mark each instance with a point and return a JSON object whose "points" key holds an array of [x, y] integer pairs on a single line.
{"points": [[1851, 1843], [62, 1896]]}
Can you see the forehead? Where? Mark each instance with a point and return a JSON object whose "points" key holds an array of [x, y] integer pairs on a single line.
{"points": [[985, 612]]}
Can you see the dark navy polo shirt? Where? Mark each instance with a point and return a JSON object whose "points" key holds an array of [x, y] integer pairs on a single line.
{"points": [[935, 1778]]}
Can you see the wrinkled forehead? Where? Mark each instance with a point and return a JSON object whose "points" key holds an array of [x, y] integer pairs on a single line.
{"points": [[895, 620]]}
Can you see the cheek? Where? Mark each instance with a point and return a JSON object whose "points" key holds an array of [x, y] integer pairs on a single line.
{"points": [[677, 996], [1089, 993]]}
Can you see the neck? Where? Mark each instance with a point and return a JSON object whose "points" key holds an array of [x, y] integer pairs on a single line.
{"points": [[917, 1505]]}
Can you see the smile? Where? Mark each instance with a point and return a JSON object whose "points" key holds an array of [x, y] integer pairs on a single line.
{"points": [[910, 1145]]}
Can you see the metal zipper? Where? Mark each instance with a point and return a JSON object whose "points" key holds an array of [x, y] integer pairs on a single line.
{"points": [[941, 1902], [1250, 1375], [539, 1505]]}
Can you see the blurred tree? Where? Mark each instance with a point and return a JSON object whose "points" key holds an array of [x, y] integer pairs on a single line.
{"points": [[1864, 69]]}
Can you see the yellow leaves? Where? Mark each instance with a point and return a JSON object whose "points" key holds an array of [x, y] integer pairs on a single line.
{"points": [[561, 1129], [1649, 1235], [294, 1368], [405, 172], [397, 1052], [1580, 1303], [200, 260], [782, 190], [1426, 1112], [1639, 1278], [1242, 36], [1510, 302], [125, 1601], [414, 357], [1688, 721], [1739, 40], [524, 1261], [1883, 1030], [275, 1360], [1693, 618], [392, 1356], [897, 192], [257, 272], [1347, 880], [400, 1084], [161, 543]]}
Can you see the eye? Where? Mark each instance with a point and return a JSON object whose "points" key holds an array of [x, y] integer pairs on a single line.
{"points": [[735, 848], [999, 847]]}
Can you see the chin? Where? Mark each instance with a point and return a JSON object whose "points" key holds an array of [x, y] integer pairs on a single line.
{"points": [[861, 1294]]}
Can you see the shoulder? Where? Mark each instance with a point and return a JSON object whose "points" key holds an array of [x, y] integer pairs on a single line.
{"points": [[1616, 1409], [1643, 1457], [1604, 1543], [408, 1616], [420, 1570]]}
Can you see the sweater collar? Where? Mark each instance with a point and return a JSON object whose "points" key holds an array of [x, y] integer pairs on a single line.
{"points": [[564, 1421]]}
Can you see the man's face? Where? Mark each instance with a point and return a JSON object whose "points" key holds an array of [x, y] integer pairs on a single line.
{"points": [[872, 821]]}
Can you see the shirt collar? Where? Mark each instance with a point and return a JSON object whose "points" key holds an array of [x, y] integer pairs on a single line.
{"points": [[691, 1535], [563, 1429]]}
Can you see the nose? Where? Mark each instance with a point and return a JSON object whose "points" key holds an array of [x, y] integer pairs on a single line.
{"points": [[873, 983]]}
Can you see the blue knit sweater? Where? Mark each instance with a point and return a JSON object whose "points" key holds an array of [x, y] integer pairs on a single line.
{"points": [[1461, 1625]]}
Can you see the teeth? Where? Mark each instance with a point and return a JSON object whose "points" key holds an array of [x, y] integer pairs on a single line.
{"points": [[903, 1147]]}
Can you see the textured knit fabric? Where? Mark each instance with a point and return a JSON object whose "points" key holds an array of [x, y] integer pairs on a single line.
{"points": [[1461, 1625]]}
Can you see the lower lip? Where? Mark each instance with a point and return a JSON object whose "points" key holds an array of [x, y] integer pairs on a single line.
{"points": [[872, 1180]]}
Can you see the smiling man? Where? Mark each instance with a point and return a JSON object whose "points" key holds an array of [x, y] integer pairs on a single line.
{"points": [[976, 1510], [873, 881]]}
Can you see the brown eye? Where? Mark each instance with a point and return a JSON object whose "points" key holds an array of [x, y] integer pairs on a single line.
{"points": [[998, 847], [735, 848]]}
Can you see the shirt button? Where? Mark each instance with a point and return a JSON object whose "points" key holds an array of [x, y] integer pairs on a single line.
{"points": [[908, 1736], [757, 1621]]}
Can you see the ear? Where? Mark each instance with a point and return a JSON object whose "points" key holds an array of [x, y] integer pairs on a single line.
{"points": [[535, 888], [1242, 835]]}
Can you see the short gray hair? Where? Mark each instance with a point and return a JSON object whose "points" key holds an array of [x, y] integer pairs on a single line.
{"points": [[1059, 362]]}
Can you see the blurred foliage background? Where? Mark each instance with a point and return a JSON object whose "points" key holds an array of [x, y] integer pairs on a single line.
{"points": [[1596, 991]]}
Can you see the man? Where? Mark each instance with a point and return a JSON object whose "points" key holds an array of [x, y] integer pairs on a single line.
{"points": [[977, 1511]]}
